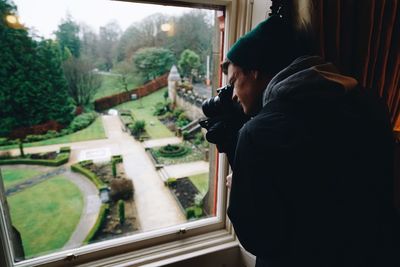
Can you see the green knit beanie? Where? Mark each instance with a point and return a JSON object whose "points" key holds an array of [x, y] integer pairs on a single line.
{"points": [[268, 47]]}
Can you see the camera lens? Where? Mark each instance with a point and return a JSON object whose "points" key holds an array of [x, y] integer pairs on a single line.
{"points": [[212, 107]]}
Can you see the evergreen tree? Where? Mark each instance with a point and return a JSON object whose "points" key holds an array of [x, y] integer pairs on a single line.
{"points": [[151, 62], [32, 87], [68, 37]]}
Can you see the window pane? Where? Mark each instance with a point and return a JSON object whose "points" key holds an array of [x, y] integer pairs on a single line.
{"points": [[99, 132]]}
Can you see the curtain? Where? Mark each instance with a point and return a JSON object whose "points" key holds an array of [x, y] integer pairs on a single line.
{"points": [[362, 38]]}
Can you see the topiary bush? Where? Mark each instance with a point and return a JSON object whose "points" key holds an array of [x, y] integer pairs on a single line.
{"points": [[182, 120], [121, 211], [172, 151], [82, 121], [121, 189]]}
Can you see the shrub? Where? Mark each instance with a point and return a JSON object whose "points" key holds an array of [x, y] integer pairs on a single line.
{"points": [[138, 127], [117, 158], [194, 212], [172, 151], [161, 109], [61, 158], [171, 182], [35, 138], [65, 149], [185, 135], [114, 168], [177, 112], [199, 138], [121, 189], [5, 155], [51, 134], [82, 121], [3, 141], [121, 211], [182, 120]]}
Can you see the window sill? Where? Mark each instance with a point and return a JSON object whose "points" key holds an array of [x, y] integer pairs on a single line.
{"points": [[172, 252]]}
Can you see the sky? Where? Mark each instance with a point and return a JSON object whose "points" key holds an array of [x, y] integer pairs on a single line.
{"points": [[45, 15]]}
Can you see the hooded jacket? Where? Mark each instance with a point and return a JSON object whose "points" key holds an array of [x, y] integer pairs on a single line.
{"points": [[312, 174]]}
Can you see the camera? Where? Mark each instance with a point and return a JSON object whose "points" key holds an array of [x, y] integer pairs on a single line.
{"points": [[220, 104], [223, 108]]}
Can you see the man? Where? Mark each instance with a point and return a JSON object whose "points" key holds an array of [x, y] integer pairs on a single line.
{"points": [[312, 169]]}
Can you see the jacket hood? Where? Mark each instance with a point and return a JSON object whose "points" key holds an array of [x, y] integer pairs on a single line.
{"points": [[308, 78]]}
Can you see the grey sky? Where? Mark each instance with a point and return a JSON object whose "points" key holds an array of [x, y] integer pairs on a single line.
{"points": [[45, 15]]}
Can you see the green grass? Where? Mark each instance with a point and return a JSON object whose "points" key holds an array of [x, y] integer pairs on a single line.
{"points": [[143, 109], [94, 131], [46, 215], [111, 85], [12, 177], [201, 182]]}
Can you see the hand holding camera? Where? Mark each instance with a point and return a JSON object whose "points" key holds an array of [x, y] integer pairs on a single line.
{"points": [[224, 119]]}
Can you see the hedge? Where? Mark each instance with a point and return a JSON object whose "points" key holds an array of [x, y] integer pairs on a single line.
{"points": [[65, 149], [61, 158], [92, 177], [99, 223], [117, 158]]}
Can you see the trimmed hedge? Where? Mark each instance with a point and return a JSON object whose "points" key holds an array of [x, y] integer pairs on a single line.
{"points": [[61, 159], [117, 158], [172, 151], [92, 177], [98, 224], [65, 149]]}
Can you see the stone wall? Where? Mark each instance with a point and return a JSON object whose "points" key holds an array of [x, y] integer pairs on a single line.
{"points": [[191, 103]]}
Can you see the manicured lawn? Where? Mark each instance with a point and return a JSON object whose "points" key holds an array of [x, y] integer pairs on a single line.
{"points": [[46, 215], [143, 109], [12, 177], [201, 182], [94, 131], [111, 85]]}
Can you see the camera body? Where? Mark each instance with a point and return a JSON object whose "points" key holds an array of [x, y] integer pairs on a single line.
{"points": [[220, 104]]}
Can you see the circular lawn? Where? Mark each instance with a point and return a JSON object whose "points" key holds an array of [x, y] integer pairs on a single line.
{"points": [[46, 214]]}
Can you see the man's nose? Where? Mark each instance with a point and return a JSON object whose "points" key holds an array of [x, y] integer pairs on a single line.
{"points": [[234, 96]]}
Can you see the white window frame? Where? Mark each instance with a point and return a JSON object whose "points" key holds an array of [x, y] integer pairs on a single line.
{"points": [[167, 245]]}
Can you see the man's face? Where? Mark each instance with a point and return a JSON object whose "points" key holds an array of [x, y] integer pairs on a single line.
{"points": [[248, 88]]}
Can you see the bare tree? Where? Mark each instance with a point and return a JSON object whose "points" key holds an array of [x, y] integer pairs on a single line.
{"points": [[82, 81]]}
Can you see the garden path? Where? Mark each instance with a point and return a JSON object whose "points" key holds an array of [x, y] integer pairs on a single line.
{"points": [[155, 205], [90, 212], [187, 169]]}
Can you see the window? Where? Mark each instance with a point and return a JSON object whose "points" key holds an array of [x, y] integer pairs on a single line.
{"points": [[105, 56]]}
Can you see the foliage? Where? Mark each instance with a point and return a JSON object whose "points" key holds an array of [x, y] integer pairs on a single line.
{"points": [[177, 112], [32, 85], [82, 121], [61, 159], [194, 212], [165, 95], [161, 108], [108, 37], [138, 127], [46, 214], [185, 135], [78, 167], [67, 36], [82, 81], [65, 149], [171, 182], [188, 61], [172, 151], [152, 62], [199, 138], [121, 211], [114, 168], [182, 120], [121, 189], [117, 158], [101, 219]]}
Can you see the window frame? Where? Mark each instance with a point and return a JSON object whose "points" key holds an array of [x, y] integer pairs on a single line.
{"points": [[172, 243]]}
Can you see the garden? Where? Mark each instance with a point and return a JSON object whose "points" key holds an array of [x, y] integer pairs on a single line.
{"points": [[118, 214]]}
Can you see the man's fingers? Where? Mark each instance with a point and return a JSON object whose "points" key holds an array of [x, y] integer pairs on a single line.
{"points": [[229, 181]]}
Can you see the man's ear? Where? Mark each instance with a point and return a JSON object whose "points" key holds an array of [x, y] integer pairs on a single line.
{"points": [[256, 74]]}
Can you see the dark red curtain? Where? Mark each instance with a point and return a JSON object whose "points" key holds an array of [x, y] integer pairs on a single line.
{"points": [[362, 38]]}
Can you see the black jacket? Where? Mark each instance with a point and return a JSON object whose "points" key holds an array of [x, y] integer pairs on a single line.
{"points": [[312, 175]]}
